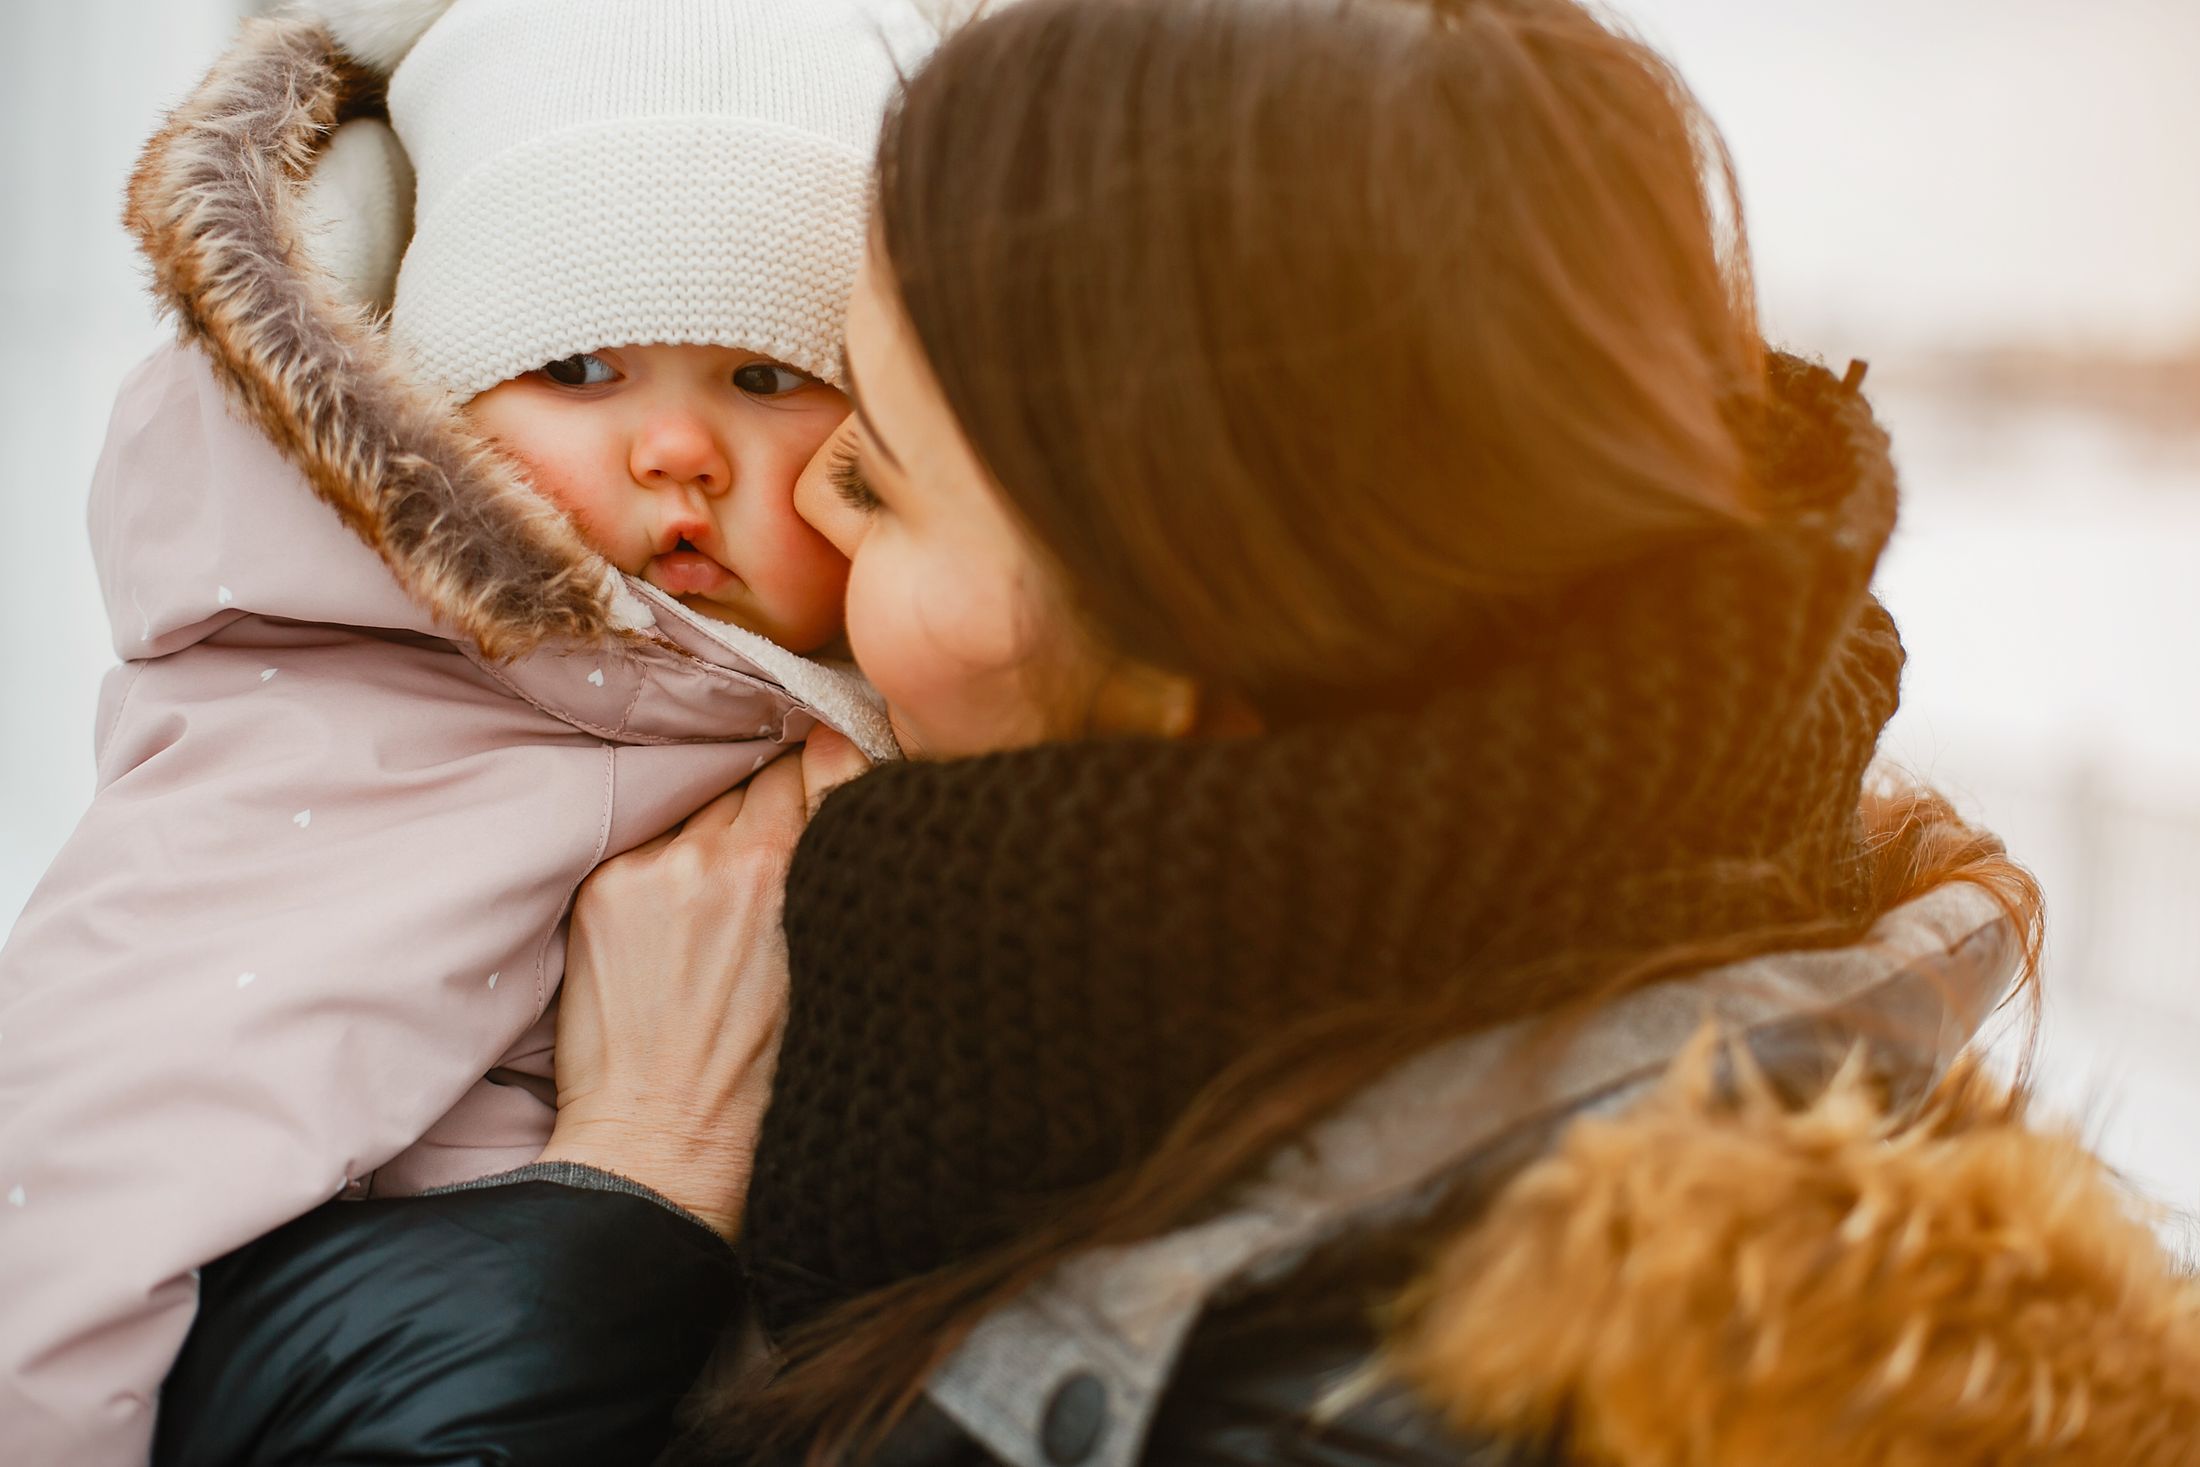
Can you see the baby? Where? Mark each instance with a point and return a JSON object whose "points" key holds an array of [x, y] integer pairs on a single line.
{"points": [[431, 594]]}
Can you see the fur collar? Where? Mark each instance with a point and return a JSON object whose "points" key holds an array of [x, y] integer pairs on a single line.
{"points": [[216, 204], [1713, 1281]]}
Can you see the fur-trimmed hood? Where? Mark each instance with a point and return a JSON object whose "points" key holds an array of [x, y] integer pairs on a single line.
{"points": [[270, 275], [1726, 1280]]}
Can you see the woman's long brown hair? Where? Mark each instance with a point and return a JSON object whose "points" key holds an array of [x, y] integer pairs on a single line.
{"points": [[1297, 333]]}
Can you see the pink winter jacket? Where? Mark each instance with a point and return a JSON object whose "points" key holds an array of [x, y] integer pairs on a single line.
{"points": [[306, 941]]}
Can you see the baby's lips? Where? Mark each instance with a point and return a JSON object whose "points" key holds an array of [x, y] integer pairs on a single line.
{"points": [[693, 532], [690, 573]]}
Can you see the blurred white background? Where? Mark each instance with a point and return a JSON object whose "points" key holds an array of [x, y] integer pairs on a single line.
{"points": [[1993, 200]]}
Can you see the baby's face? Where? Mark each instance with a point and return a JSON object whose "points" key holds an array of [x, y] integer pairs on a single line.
{"points": [[678, 463]]}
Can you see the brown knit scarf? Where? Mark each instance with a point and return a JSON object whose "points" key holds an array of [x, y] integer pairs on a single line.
{"points": [[1012, 973]]}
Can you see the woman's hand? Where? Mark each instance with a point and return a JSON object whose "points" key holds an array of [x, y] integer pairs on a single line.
{"points": [[676, 989]]}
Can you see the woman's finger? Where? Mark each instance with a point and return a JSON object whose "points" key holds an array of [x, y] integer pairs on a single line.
{"points": [[631, 856], [774, 809], [719, 814], [829, 760], [653, 845]]}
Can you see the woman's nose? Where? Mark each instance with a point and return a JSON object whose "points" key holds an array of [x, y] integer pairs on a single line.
{"points": [[818, 500], [678, 450]]}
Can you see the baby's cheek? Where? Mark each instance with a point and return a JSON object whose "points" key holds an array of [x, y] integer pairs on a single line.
{"points": [[598, 507], [801, 580], [569, 460], [595, 514]]}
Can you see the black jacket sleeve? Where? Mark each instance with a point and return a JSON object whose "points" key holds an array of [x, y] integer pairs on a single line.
{"points": [[525, 1323]]}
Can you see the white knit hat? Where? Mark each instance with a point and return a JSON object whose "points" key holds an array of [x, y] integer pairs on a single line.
{"points": [[600, 173]]}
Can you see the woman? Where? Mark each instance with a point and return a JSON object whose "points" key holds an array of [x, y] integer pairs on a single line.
{"points": [[1389, 657]]}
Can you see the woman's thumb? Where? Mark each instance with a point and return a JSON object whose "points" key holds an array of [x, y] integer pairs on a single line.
{"points": [[829, 760]]}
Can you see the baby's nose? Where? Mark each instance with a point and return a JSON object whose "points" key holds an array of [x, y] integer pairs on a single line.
{"points": [[679, 450]]}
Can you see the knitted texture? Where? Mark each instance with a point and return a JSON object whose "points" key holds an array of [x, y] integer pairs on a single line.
{"points": [[1011, 974], [598, 174]]}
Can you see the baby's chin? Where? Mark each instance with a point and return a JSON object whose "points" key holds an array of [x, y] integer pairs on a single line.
{"points": [[751, 619], [719, 611], [699, 603], [716, 611], [835, 645]]}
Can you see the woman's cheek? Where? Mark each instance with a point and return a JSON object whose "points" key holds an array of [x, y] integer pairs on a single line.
{"points": [[942, 649]]}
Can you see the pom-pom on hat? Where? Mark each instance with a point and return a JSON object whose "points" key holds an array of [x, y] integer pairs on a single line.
{"points": [[596, 173], [375, 33]]}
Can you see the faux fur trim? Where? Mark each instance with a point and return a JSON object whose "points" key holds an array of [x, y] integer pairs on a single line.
{"points": [[214, 203], [1709, 1282]]}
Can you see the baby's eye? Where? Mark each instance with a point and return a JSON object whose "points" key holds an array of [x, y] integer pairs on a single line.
{"points": [[769, 379], [582, 369]]}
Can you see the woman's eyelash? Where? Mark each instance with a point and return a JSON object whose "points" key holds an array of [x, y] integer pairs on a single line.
{"points": [[846, 473]]}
